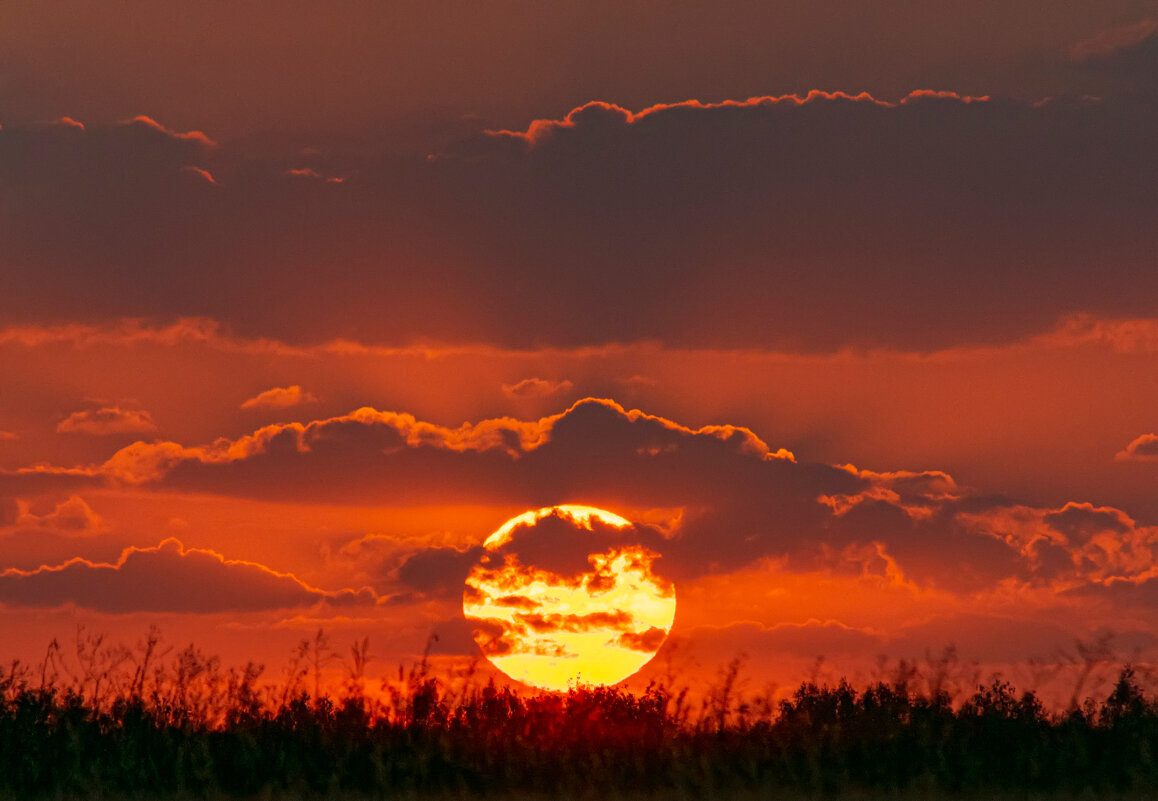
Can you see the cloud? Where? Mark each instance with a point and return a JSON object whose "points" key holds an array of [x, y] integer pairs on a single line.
{"points": [[1114, 39], [809, 222], [1072, 546], [506, 458], [605, 118], [141, 122], [107, 420], [1142, 449], [648, 641], [732, 500], [166, 578], [742, 499], [200, 174], [279, 398], [8, 436], [590, 621], [536, 388], [73, 516], [1079, 522], [1139, 335], [1135, 594], [437, 572], [146, 156], [1123, 62], [70, 528]]}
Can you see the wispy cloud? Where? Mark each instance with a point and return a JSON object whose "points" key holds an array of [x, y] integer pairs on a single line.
{"points": [[279, 398], [107, 420]]}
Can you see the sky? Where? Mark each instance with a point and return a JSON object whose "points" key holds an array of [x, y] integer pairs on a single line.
{"points": [[851, 310]]}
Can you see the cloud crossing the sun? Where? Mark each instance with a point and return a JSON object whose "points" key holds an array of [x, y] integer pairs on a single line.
{"points": [[737, 500]]}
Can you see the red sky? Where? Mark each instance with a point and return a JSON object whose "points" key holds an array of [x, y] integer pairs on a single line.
{"points": [[854, 310]]}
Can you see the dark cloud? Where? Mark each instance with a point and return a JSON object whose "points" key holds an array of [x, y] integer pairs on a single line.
{"points": [[816, 223], [1137, 594], [648, 641], [41, 480], [167, 578], [1049, 560], [1108, 42], [1081, 521], [516, 602], [618, 619], [438, 572], [939, 549], [595, 449], [559, 545], [1123, 61], [29, 549]]}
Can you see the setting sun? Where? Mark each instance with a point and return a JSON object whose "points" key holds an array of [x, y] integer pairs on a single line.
{"points": [[553, 627], [848, 313]]}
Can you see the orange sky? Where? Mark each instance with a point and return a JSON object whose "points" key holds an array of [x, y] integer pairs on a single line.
{"points": [[295, 312]]}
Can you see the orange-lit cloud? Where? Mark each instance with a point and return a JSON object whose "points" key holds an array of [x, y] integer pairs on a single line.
{"points": [[107, 420], [279, 398], [368, 438], [1142, 449], [536, 388], [73, 516], [201, 174], [166, 578], [739, 500], [149, 124], [8, 436], [599, 113]]}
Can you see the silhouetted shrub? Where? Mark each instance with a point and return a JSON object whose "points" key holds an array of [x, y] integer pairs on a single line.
{"points": [[190, 729]]}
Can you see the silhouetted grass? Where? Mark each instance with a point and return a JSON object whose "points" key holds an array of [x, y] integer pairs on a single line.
{"points": [[139, 724]]}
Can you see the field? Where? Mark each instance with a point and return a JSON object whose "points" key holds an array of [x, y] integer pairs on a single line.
{"points": [[125, 724]]}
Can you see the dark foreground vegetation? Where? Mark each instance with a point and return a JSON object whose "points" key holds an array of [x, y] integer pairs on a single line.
{"points": [[188, 728]]}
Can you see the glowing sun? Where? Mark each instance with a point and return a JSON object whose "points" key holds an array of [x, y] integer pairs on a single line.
{"points": [[565, 594]]}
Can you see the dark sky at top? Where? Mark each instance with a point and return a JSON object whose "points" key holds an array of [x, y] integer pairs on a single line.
{"points": [[411, 70]]}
